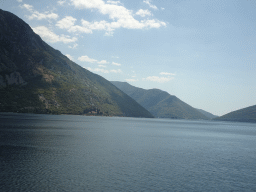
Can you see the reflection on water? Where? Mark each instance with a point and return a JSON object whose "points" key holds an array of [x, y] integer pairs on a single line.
{"points": [[76, 153]]}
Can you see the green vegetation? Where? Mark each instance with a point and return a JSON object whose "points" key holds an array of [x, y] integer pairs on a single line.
{"points": [[247, 114], [160, 103], [36, 78]]}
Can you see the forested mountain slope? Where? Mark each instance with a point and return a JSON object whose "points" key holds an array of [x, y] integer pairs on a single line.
{"points": [[160, 103], [247, 114], [34, 77]]}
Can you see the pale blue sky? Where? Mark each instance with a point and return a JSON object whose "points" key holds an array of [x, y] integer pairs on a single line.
{"points": [[201, 51]]}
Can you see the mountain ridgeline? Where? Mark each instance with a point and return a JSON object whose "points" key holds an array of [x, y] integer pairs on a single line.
{"points": [[160, 103], [247, 114], [36, 78], [207, 114]]}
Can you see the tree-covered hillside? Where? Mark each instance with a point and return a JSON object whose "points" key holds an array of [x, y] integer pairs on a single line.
{"points": [[35, 77], [247, 114], [160, 103]]}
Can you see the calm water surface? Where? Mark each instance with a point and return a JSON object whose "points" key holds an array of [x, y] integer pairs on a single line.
{"points": [[77, 153]]}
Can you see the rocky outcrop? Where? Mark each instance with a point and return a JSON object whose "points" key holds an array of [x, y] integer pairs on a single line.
{"points": [[48, 102], [12, 79], [15, 78], [2, 81]]}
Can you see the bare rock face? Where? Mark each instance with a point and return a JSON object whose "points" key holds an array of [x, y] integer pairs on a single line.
{"points": [[2, 81], [14, 78]]}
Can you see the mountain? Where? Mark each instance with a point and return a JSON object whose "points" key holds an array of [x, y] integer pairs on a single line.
{"points": [[207, 114], [247, 114], [34, 77], [160, 103]]}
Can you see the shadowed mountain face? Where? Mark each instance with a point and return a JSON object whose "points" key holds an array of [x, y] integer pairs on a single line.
{"points": [[207, 114], [247, 114], [160, 103], [34, 77]]}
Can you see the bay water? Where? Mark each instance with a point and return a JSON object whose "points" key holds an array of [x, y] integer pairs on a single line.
{"points": [[82, 153]]}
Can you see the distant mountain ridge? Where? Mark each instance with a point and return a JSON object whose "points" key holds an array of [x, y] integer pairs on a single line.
{"points": [[207, 114], [247, 114], [160, 103], [36, 78]]}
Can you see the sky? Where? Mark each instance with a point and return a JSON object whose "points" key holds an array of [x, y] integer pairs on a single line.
{"points": [[203, 52]]}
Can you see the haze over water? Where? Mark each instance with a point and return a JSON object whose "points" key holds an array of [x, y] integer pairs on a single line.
{"points": [[78, 153]]}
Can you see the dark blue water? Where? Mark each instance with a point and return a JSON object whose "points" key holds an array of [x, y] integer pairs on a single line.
{"points": [[76, 153]]}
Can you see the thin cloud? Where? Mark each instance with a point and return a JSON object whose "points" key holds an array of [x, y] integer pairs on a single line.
{"points": [[131, 80], [66, 22], [117, 64], [19, 1], [61, 2], [97, 70], [27, 6], [101, 70], [114, 2], [116, 71], [74, 46], [120, 16], [150, 5], [50, 36], [165, 73], [102, 66], [37, 15], [103, 62], [143, 13], [158, 79], [85, 58], [70, 57]]}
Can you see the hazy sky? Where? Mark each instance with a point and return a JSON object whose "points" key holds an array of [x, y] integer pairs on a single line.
{"points": [[203, 51]]}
